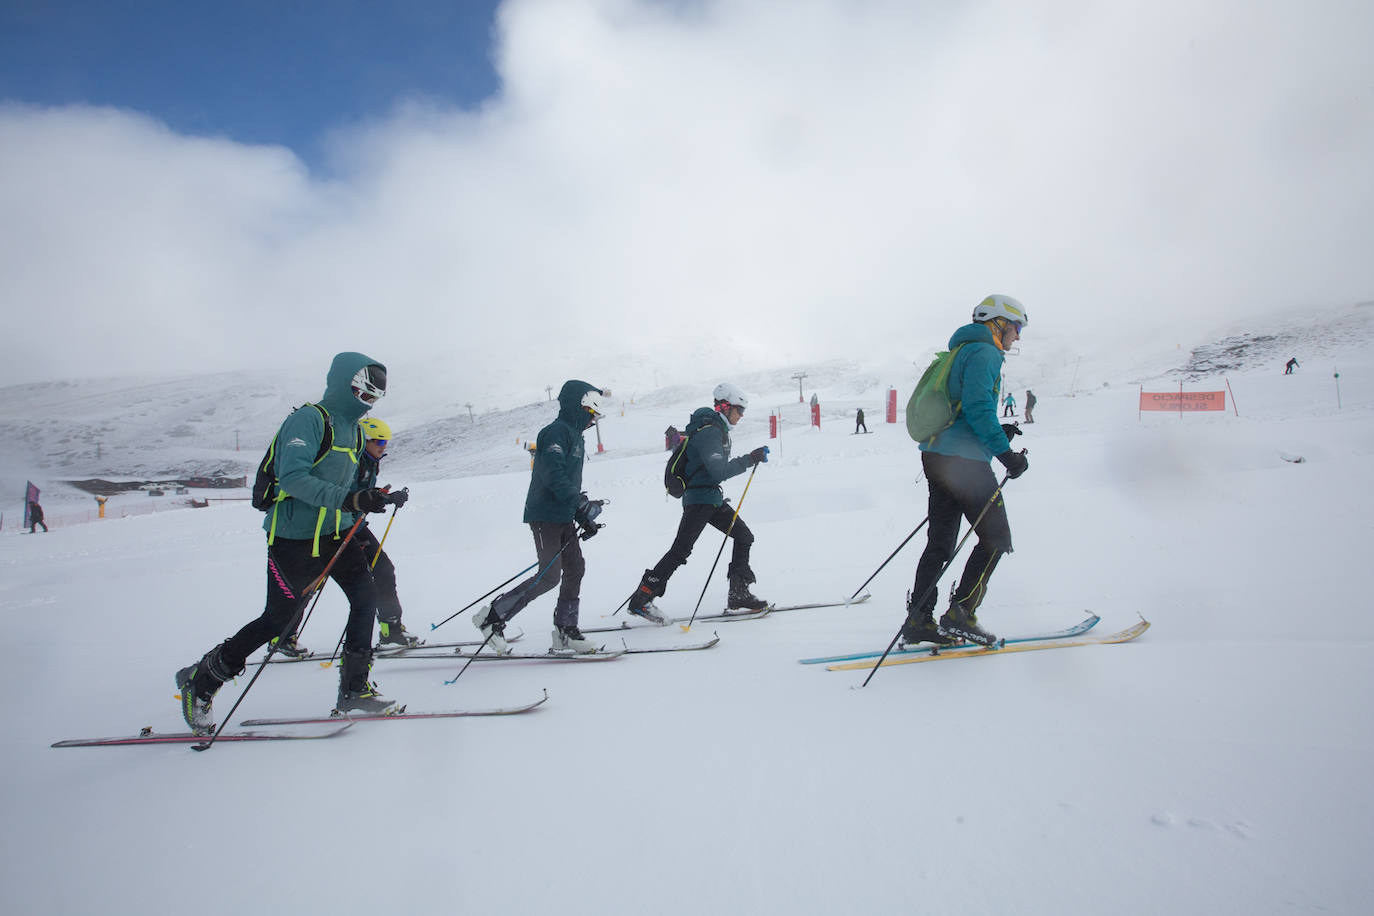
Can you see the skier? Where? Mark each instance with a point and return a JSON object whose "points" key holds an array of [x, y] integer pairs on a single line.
{"points": [[708, 462], [376, 436], [315, 507], [1290, 365], [859, 422], [36, 517], [1009, 405], [1030, 404], [962, 483], [556, 510]]}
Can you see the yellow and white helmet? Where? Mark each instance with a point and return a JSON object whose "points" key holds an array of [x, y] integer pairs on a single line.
{"points": [[1001, 307]]}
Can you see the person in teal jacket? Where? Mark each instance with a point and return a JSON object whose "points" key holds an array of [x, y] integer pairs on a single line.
{"points": [[316, 504], [708, 462], [961, 481], [560, 516]]}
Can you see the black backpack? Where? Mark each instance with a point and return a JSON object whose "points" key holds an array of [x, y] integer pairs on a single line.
{"points": [[265, 490], [674, 474]]}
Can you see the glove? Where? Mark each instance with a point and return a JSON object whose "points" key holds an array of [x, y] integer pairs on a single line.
{"points": [[1012, 430], [398, 498], [1015, 463], [372, 500], [587, 511], [588, 531], [758, 454]]}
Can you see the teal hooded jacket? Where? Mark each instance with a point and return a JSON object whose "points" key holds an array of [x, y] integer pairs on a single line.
{"points": [[556, 479], [708, 460], [975, 378], [314, 492]]}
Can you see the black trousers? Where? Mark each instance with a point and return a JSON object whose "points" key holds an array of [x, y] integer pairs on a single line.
{"points": [[383, 575], [694, 522], [959, 489], [560, 563], [290, 569]]}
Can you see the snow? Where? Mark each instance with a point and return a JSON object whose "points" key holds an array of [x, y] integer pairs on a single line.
{"points": [[1216, 765]]}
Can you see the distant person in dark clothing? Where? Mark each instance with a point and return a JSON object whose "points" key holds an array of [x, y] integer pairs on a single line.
{"points": [[1030, 404], [859, 422], [36, 517], [1289, 366]]}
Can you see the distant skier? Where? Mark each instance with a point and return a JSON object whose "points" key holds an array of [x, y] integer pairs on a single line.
{"points": [[708, 463], [316, 504], [1289, 366], [1030, 404], [859, 422], [376, 437], [1009, 405], [556, 510], [962, 484], [36, 517]]}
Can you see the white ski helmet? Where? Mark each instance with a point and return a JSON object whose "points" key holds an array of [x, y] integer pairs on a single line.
{"points": [[1001, 307], [730, 394], [592, 401]]}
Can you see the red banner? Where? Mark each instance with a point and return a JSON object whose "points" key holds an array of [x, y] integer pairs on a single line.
{"points": [[892, 405], [1183, 401]]}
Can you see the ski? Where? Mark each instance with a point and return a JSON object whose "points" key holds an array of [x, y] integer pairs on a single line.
{"points": [[148, 736], [1125, 635], [363, 717], [642, 624], [801, 607], [627, 650], [1077, 629], [387, 651], [601, 655]]}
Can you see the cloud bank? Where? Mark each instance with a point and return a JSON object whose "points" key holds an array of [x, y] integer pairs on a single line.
{"points": [[657, 180]]}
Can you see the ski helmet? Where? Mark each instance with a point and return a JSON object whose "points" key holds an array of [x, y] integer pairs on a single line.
{"points": [[375, 429], [730, 393], [1001, 307], [369, 384], [592, 401]]}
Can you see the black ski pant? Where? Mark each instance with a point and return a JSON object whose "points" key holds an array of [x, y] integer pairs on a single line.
{"points": [[560, 563], [694, 521], [290, 570], [959, 489], [383, 575]]}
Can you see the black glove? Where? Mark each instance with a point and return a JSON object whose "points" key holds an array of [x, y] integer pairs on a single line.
{"points": [[758, 454], [372, 500], [588, 531], [1015, 463], [587, 511], [398, 497], [1012, 430]]}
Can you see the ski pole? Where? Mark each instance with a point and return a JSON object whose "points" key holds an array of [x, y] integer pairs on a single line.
{"points": [[373, 565], [289, 628], [546, 568], [435, 626], [889, 558], [731, 527], [936, 581], [320, 579]]}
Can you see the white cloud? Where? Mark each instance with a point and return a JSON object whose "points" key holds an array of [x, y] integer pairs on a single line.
{"points": [[658, 174]]}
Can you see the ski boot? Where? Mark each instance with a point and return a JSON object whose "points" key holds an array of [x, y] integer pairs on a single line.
{"points": [[287, 645], [920, 627], [642, 601], [493, 628], [198, 684], [393, 633], [569, 640], [961, 623], [357, 693], [740, 598]]}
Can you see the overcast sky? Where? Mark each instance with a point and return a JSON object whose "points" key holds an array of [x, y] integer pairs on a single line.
{"points": [[568, 181]]}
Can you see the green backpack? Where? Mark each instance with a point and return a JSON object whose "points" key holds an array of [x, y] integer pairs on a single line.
{"points": [[929, 411]]}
